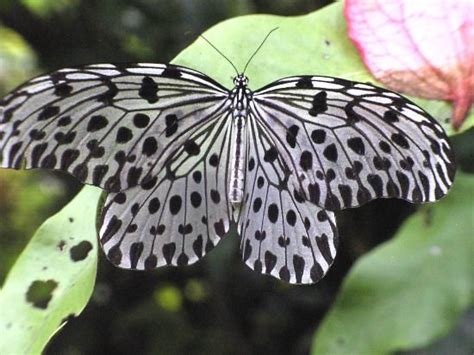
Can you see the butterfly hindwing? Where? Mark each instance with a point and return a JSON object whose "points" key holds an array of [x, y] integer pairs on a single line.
{"points": [[110, 126], [177, 217], [348, 143], [282, 234]]}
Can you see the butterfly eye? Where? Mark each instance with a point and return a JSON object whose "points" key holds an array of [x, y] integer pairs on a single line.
{"points": [[241, 80]]}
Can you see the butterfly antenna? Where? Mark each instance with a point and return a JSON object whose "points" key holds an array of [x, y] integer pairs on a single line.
{"points": [[260, 46], [222, 54]]}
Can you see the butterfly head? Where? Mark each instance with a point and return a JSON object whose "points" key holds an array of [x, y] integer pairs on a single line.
{"points": [[241, 80]]}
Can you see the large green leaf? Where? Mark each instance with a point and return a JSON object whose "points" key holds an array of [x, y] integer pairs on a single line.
{"points": [[52, 279], [410, 290]]}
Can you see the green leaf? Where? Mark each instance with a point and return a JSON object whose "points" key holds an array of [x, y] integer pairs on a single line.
{"points": [[52, 279], [410, 290]]}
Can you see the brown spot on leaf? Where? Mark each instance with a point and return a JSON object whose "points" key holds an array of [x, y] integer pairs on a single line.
{"points": [[40, 293], [61, 245], [80, 251]]}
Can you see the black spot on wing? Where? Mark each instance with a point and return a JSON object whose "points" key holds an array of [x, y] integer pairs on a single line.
{"points": [[175, 204], [390, 116], [96, 123], [113, 226], [400, 140], [169, 250], [318, 136], [171, 72], [124, 134], [64, 121], [316, 272], [197, 176], [385, 147], [48, 112], [306, 160], [319, 104], [273, 213], [214, 160], [219, 228], [98, 174], [140, 120], [67, 158], [304, 83], [323, 246], [191, 147], [291, 135], [149, 90], [150, 262], [377, 184], [298, 264], [330, 152], [108, 96], [270, 155], [352, 116], [357, 145], [62, 90], [150, 146], [136, 250], [171, 121], [270, 261]]}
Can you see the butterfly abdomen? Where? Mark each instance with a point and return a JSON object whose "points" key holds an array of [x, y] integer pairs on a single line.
{"points": [[240, 105]]}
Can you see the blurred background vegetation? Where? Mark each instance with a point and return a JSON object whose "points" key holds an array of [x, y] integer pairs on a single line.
{"points": [[218, 305]]}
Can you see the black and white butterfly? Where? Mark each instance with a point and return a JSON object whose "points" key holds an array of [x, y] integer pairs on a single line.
{"points": [[182, 157]]}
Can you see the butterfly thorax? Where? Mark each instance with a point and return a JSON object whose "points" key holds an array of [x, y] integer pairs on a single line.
{"points": [[240, 97]]}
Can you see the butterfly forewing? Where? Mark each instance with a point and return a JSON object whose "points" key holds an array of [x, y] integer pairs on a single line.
{"points": [[347, 143], [282, 234], [109, 126]]}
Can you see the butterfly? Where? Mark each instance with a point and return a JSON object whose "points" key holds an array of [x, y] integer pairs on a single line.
{"points": [[182, 157]]}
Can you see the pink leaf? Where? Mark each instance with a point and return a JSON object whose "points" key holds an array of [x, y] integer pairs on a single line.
{"points": [[420, 47]]}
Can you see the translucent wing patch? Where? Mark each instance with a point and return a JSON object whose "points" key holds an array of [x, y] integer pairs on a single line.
{"points": [[282, 234], [347, 143], [108, 125], [177, 217]]}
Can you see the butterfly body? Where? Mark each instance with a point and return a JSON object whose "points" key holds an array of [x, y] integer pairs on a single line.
{"points": [[182, 158], [240, 97]]}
